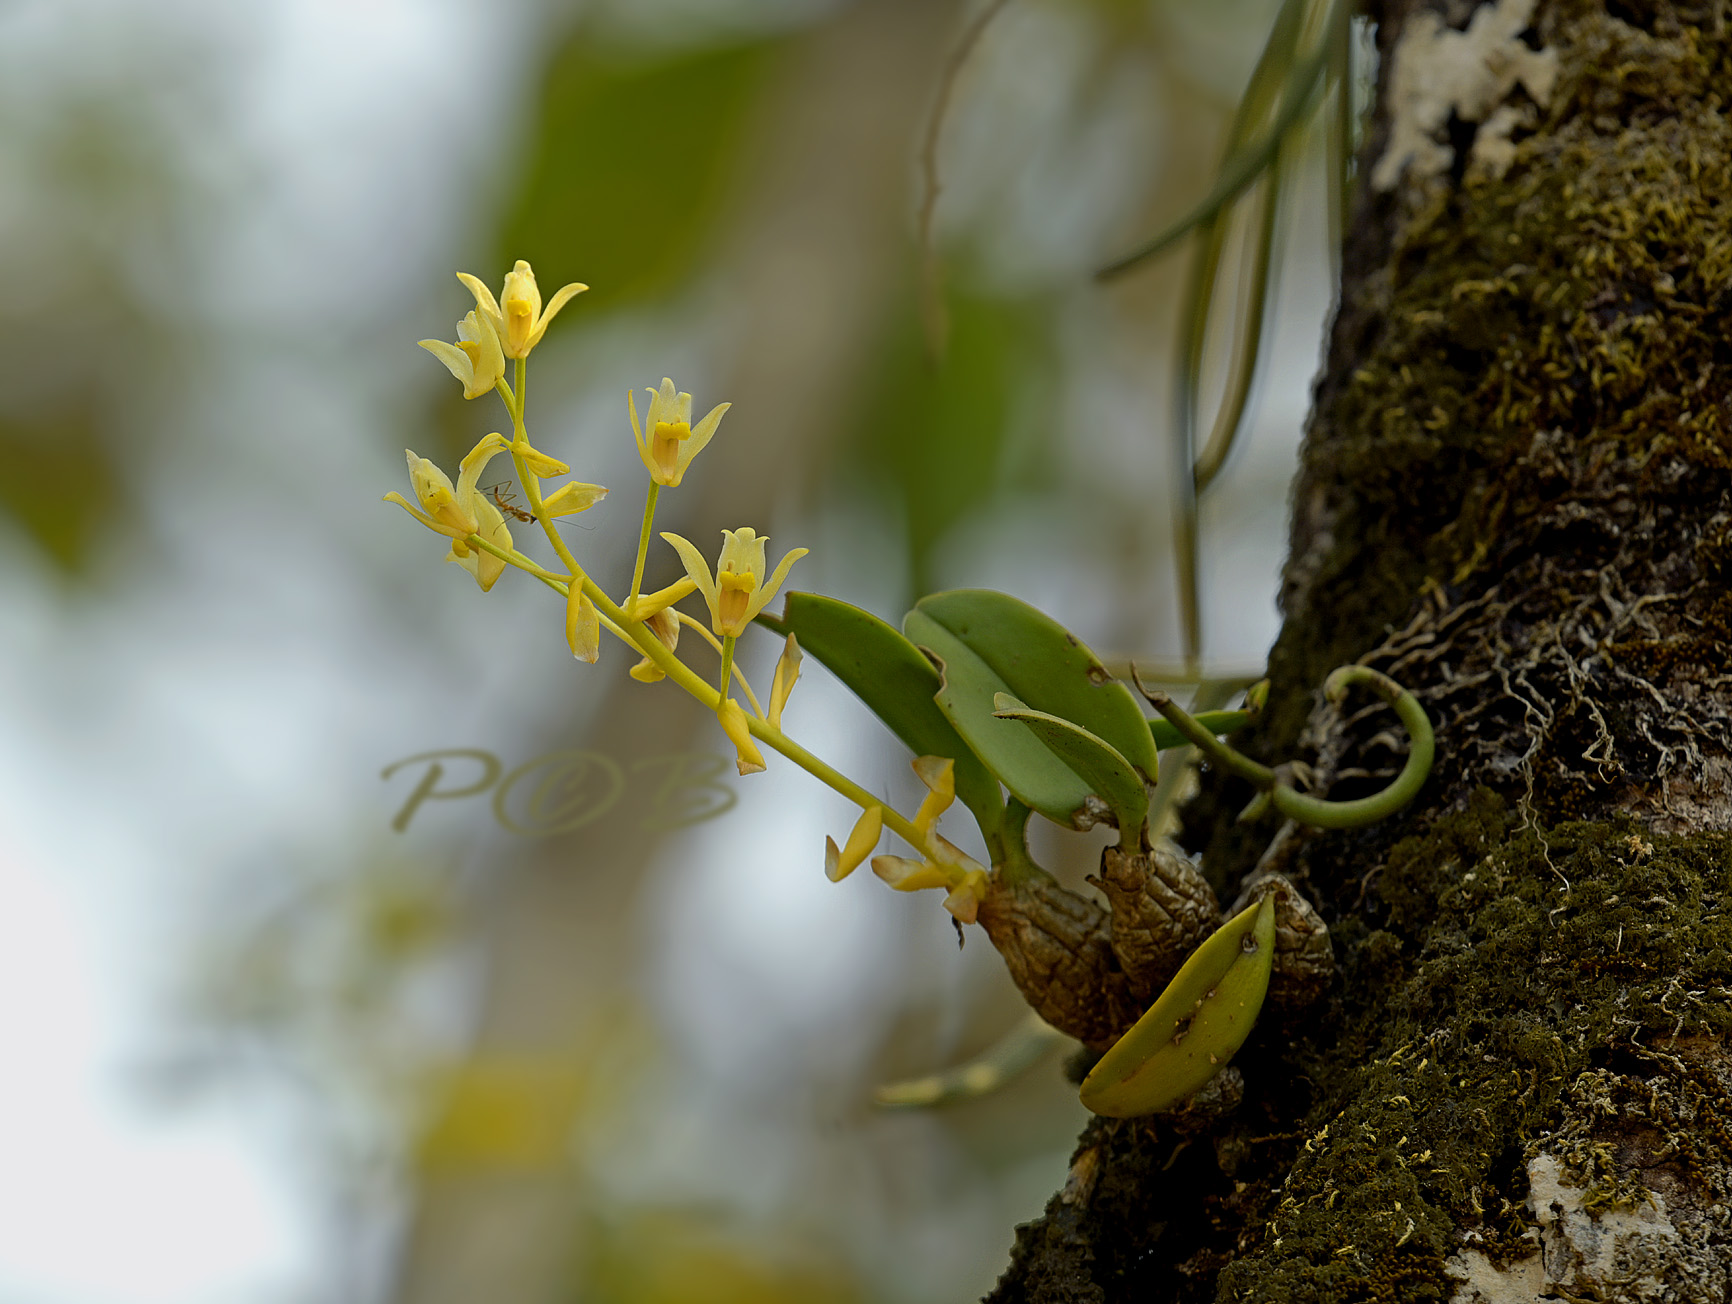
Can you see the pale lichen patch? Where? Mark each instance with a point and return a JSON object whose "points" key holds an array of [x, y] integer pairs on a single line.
{"points": [[1437, 71], [1585, 1252]]}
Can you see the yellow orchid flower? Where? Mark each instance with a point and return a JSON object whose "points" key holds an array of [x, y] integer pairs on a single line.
{"points": [[460, 510], [737, 592], [672, 441], [517, 314], [475, 359]]}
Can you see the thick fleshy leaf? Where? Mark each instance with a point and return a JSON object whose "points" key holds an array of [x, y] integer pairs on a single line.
{"points": [[896, 682], [1194, 1026], [1021, 761], [1096, 761], [1046, 666]]}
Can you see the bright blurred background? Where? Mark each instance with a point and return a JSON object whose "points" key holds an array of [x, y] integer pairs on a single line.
{"points": [[260, 1044]]}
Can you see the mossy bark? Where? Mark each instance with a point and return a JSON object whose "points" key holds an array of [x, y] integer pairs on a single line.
{"points": [[1515, 498]]}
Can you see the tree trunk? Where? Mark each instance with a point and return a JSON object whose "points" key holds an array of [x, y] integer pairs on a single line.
{"points": [[1514, 499]]}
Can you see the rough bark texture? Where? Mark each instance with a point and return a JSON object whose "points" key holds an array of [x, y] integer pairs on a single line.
{"points": [[1514, 498]]}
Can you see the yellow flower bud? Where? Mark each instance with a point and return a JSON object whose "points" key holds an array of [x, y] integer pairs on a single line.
{"points": [[787, 675], [750, 760], [838, 864], [582, 623]]}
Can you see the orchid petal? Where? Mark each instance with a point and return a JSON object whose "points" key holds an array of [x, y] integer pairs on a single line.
{"points": [[475, 461], [637, 430], [484, 300], [701, 434], [649, 605], [539, 462], [565, 295], [696, 567], [569, 499], [419, 515], [456, 362], [768, 591]]}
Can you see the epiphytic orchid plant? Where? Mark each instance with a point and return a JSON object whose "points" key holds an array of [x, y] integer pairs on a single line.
{"points": [[1003, 709]]}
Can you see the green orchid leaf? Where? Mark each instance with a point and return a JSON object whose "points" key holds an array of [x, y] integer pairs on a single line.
{"points": [[1194, 1026], [896, 682], [1046, 666], [1219, 723], [1097, 762], [1036, 777]]}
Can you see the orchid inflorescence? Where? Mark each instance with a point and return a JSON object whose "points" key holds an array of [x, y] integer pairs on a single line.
{"points": [[1005, 711], [734, 592]]}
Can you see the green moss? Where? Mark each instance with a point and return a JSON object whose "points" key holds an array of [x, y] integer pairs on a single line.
{"points": [[1491, 997]]}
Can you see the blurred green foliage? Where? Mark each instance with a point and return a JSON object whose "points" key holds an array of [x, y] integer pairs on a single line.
{"points": [[60, 483], [632, 157], [941, 429]]}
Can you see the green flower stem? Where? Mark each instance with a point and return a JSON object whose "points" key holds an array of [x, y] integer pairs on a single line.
{"points": [[727, 661], [716, 643], [1406, 786], [649, 515], [1276, 791], [530, 481], [683, 675], [1198, 735]]}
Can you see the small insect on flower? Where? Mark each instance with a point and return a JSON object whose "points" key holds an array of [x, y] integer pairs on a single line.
{"points": [[503, 496]]}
